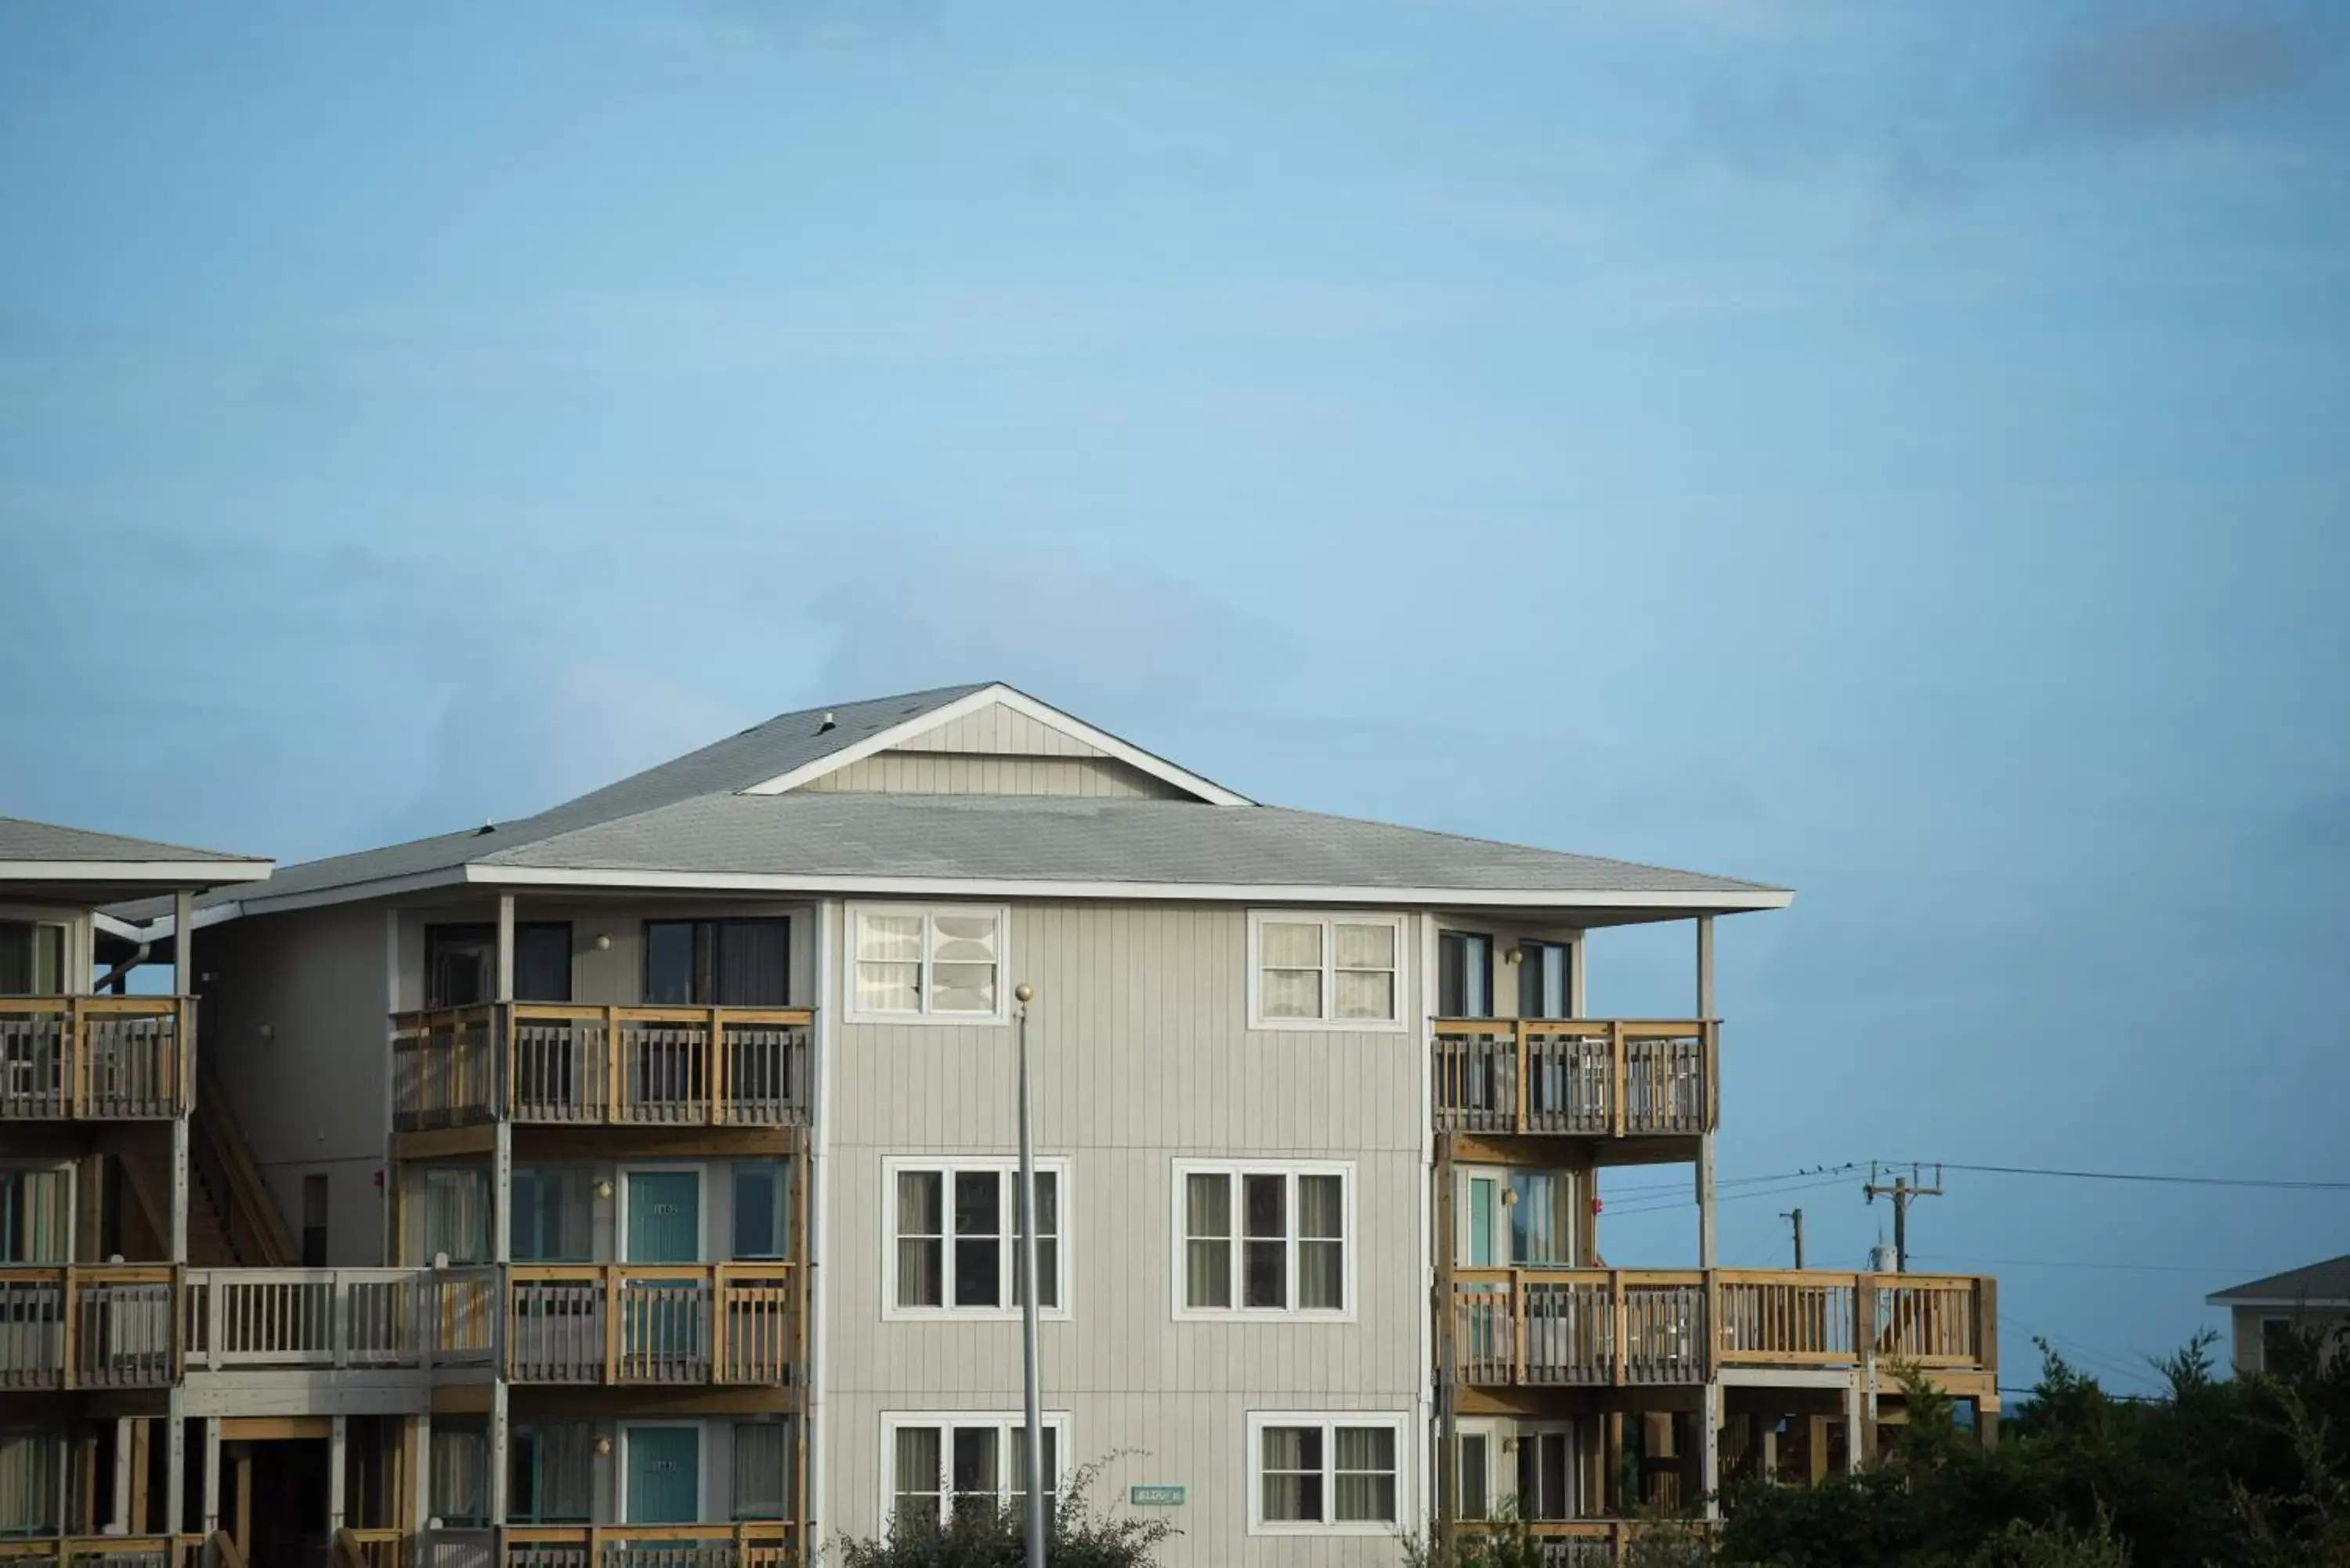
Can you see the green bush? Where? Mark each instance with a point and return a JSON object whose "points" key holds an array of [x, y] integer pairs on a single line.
{"points": [[1078, 1537]]}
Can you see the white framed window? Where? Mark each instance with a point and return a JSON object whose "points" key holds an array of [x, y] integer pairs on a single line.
{"points": [[936, 1460], [951, 1242], [914, 963], [1338, 1472], [1265, 1237], [1317, 971]]}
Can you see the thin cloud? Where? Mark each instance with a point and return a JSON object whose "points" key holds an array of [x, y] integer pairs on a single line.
{"points": [[2145, 76]]}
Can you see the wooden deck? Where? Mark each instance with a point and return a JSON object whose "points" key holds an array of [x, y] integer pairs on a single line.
{"points": [[743, 1544], [95, 1058], [1575, 1078], [560, 1065], [655, 1323], [1514, 1328], [88, 1326]]}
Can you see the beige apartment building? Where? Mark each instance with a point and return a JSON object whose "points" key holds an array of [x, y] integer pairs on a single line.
{"points": [[633, 1181]]}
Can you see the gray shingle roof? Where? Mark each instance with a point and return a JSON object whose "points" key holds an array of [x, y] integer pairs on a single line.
{"points": [[2317, 1283], [1032, 838], [689, 817], [26, 841]]}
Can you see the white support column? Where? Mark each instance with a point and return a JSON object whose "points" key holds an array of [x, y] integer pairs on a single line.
{"points": [[120, 1513], [180, 1190], [1709, 1448], [423, 1480], [1853, 1412], [498, 1453], [183, 939], [1705, 1215], [211, 1476], [175, 1463], [337, 1435]]}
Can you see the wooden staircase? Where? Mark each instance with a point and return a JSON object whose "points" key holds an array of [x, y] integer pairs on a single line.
{"points": [[233, 1222]]}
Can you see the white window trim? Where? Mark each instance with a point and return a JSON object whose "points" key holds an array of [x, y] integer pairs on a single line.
{"points": [[1327, 919], [1491, 1431], [1001, 1015], [947, 1163], [1350, 1238], [1400, 1421], [1011, 1423]]}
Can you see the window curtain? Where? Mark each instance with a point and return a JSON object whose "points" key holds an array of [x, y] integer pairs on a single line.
{"points": [[761, 1481], [762, 1209], [1541, 1219], [1365, 1474], [32, 959], [562, 1486], [35, 1218], [889, 963], [922, 1232], [1321, 1243], [453, 1215], [917, 1469], [753, 959], [1366, 971], [543, 961], [550, 1223], [461, 1458], [1291, 984], [962, 963], [1207, 1240], [1293, 1473], [28, 1483]]}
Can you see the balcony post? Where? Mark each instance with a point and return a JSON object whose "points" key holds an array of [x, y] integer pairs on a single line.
{"points": [[501, 1087], [209, 1505], [498, 1454], [120, 1513], [338, 1435], [1705, 1215]]}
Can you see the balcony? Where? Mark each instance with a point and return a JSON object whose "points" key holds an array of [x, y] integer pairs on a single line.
{"points": [[249, 1318], [1620, 1328], [103, 1552], [766, 1544], [74, 1327], [654, 1323], [94, 1058], [1575, 1078], [564, 1065]]}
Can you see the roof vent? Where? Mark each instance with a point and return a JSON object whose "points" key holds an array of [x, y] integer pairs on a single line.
{"points": [[486, 827], [829, 723]]}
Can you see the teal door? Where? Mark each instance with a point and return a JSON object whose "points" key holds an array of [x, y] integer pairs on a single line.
{"points": [[664, 1475], [664, 1216]]}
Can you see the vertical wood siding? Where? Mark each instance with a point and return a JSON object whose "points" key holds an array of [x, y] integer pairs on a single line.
{"points": [[1000, 731], [1141, 1055], [965, 773]]}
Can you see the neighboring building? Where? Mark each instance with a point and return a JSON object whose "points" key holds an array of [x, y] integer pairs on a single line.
{"points": [[114, 1179], [653, 1158], [2260, 1312]]}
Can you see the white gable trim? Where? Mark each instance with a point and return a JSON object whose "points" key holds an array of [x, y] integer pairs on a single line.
{"points": [[1020, 703]]}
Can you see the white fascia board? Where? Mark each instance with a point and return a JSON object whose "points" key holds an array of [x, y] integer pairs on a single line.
{"points": [[1020, 702], [2281, 1304], [1200, 892], [184, 873]]}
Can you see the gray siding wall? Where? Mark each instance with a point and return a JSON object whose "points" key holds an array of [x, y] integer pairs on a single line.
{"points": [[962, 773], [614, 976], [311, 1099], [1141, 1055], [1000, 731]]}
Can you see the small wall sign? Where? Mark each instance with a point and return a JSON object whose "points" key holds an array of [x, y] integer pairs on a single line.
{"points": [[1154, 1495]]}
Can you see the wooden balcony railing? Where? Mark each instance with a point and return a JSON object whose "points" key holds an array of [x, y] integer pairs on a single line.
{"points": [[1575, 1078], [765, 1544], [96, 1326], [1562, 1327], [94, 1058], [340, 1317], [371, 1547], [546, 1062], [103, 1552], [1586, 1542], [654, 1324]]}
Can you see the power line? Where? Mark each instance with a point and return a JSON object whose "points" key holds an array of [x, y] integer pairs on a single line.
{"points": [[2265, 1183], [2069, 1264]]}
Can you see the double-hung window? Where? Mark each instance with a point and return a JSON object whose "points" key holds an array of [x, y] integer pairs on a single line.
{"points": [[909, 963], [1339, 1473], [1261, 1237], [953, 1250], [1309, 970], [953, 1460]]}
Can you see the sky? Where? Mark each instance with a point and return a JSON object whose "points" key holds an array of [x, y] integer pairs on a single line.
{"points": [[1897, 452]]}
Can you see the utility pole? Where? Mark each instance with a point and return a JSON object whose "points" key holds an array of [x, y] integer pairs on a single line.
{"points": [[1904, 1190], [1032, 1435], [1795, 1218]]}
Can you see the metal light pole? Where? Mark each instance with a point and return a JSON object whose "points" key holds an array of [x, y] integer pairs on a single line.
{"points": [[1034, 1435]]}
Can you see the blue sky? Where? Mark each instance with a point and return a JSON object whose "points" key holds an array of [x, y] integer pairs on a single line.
{"points": [[1900, 452]]}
